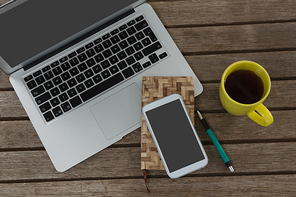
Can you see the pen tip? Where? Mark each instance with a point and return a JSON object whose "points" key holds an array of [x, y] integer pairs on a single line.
{"points": [[199, 114], [231, 168]]}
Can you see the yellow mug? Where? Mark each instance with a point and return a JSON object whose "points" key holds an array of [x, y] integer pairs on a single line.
{"points": [[243, 88]]}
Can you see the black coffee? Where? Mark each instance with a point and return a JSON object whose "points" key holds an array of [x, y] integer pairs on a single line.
{"points": [[244, 86]]}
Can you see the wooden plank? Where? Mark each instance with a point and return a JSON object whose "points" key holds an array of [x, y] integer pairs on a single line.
{"points": [[248, 158], [18, 135], [256, 185], [237, 38], [215, 12]]}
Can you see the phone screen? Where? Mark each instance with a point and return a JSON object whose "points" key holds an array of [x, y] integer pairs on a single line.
{"points": [[174, 135]]}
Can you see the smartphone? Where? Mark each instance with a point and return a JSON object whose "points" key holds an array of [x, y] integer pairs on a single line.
{"points": [[177, 142]]}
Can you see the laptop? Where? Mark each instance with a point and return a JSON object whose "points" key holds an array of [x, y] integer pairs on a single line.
{"points": [[77, 68]]}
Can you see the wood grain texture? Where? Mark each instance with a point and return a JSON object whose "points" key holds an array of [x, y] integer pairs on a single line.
{"points": [[154, 88]]}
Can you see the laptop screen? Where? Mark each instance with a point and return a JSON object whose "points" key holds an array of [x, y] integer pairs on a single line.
{"points": [[36, 25]]}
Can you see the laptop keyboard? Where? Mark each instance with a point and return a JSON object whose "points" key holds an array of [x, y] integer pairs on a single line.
{"points": [[94, 68]]}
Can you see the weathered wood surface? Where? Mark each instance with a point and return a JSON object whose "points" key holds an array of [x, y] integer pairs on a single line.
{"points": [[211, 34]]}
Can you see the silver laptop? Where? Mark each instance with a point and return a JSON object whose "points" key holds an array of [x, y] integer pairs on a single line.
{"points": [[77, 68]]}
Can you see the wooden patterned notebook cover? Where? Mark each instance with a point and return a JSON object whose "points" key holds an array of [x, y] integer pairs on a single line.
{"points": [[153, 89]]}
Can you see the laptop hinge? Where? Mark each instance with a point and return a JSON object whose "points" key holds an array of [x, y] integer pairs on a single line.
{"points": [[88, 34]]}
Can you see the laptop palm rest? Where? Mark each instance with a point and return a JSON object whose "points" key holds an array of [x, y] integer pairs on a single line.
{"points": [[123, 107]]}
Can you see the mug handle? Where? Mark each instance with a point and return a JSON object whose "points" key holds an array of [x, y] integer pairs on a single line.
{"points": [[261, 115]]}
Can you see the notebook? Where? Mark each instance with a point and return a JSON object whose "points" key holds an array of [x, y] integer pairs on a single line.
{"points": [[154, 88], [77, 69]]}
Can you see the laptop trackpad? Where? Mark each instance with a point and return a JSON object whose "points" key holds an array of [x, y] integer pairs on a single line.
{"points": [[119, 112]]}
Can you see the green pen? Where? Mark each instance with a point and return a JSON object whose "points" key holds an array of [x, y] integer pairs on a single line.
{"points": [[215, 142]]}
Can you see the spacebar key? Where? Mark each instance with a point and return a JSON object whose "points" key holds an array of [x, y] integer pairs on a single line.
{"points": [[102, 87]]}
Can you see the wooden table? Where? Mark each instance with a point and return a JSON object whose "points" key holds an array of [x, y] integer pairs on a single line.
{"points": [[211, 34]]}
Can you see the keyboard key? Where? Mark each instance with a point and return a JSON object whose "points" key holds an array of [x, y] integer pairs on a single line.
{"points": [[48, 75], [130, 50], [121, 55], [99, 48], [105, 74], [82, 67], [65, 76], [37, 91], [80, 50], [122, 65], [54, 92], [114, 69], [54, 64], [45, 69], [140, 35], [90, 62], [37, 73], [113, 59], [101, 87], [131, 40], [141, 25], [57, 80], [57, 70], [40, 80], [128, 72], [115, 31], [66, 106], [88, 83], [146, 42], [106, 36], [73, 54], [105, 64], [99, 58], [73, 62], [138, 46], [31, 84], [48, 116], [63, 97], [139, 18], [63, 59], [89, 45], [97, 68], [123, 35], [130, 60], [107, 44], [90, 52], [152, 48], [67, 66], [48, 85], [122, 27], [57, 111], [72, 92], [97, 41], [147, 64], [115, 49], [28, 78], [89, 73], [138, 56], [97, 78], [74, 71], [82, 57], [163, 55], [72, 82], [137, 67], [75, 101], [131, 30], [107, 53], [63, 87], [115, 39], [80, 78], [123, 44], [45, 107], [80, 88], [54, 102], [149, 32], [131, 22], [153, 58], [44, 97]]}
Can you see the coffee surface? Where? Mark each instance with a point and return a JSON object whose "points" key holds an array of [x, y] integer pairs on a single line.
{"points": [[244, 86]]}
